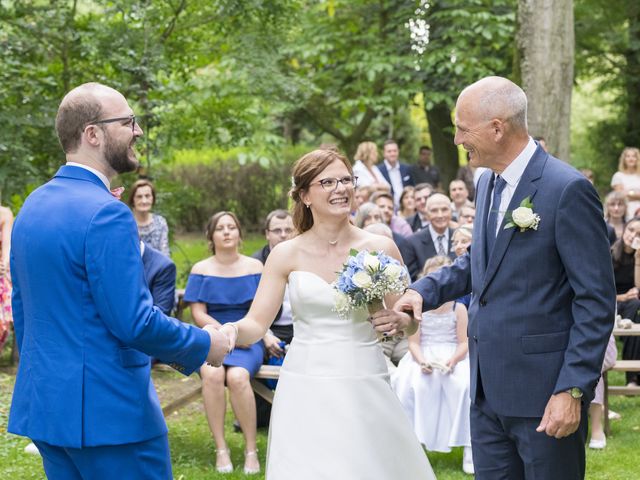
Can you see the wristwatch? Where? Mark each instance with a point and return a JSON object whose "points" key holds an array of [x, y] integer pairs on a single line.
{"points": [[575, 392]]}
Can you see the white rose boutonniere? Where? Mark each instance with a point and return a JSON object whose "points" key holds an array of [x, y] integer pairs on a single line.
{"points": [[523, 217]]}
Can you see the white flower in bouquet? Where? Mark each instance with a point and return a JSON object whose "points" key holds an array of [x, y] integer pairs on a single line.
{"points": [[371, 262], [362, 279]]}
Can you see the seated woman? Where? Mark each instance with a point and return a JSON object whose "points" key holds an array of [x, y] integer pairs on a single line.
{"points": [[615, 210], [221, 289], [152, 228], [627, 179], [625, 254]]}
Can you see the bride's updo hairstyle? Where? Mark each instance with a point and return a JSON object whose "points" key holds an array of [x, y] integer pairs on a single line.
{"points": [[307, 168]]}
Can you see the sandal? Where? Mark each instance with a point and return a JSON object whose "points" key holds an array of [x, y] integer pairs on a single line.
{"points": [[228, 468], [251, 471]]}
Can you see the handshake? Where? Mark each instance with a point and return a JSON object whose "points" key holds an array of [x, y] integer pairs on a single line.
{"points": [[223, 341]]}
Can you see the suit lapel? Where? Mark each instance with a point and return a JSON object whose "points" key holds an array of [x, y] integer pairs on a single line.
{"points": [[526, 188]]}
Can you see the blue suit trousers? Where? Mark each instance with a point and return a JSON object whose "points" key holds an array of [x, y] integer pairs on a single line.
{"points": [[148, 460]]}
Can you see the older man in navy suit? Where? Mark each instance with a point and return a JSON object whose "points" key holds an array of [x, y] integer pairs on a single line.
{"points": [[84, 319], [543, 294]]}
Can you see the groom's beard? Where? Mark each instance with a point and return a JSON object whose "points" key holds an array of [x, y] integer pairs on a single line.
{"points": [[118, 155]]}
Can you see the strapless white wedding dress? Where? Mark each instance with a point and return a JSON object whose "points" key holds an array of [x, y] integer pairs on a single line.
{"points": [[334, 415]]}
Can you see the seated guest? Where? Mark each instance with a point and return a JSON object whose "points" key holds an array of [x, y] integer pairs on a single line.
{"points": [[433, 240], [407, 203], [152, 228], [423, 171], [615, 210], [278, 227], [369, 214], [467, 215], [384, 201], [221, 289], [365, 167], [361, 195], [419, 220], [160, 273], [598, 439], [626, 269], [432, 380], [459, 198], [460, 242]]}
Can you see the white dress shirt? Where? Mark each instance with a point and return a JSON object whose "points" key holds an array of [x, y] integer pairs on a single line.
{"points": [[396, 181], [445, 240], [366, 176], [512, 175]]}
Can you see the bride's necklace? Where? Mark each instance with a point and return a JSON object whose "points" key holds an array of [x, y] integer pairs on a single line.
{"points": [[333, 243]]}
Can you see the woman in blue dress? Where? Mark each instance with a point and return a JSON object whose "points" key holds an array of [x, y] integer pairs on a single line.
{"points": [[221, 289]]}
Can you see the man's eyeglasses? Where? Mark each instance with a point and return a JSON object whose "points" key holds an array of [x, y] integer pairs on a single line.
{"points": [[281, 231], [130, 118], [330, 184]]}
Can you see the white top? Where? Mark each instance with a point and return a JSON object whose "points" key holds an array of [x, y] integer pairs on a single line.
{"points": [[512, 175], [629, 181], [396, 181], [286, 317], [365, 177], [98, 174]]}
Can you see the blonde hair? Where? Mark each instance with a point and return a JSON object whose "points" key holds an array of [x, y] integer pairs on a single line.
{"points": [[367, 153], [466, 230], [434, 263], [611, 197], [621, 163]]}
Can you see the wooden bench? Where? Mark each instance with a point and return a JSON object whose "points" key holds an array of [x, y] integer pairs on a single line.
{"points": [[266, 372], [620, 366]]}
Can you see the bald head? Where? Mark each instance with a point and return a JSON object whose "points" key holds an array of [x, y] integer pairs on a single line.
{"points": [[81, 106], [498, 97]]}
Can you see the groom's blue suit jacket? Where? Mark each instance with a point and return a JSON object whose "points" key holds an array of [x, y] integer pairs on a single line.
{"points": [[543, 303], [85, 322]]}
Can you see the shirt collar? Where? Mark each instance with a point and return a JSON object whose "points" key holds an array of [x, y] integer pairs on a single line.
{"points": [[514, 171], [435, 235], [103, 178], [389, 167]]}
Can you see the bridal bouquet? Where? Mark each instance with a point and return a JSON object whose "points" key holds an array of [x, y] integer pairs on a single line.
{"points": [[365, 279]]}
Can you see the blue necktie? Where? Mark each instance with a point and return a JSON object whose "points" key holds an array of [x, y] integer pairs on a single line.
{"points": [[492, 221]]}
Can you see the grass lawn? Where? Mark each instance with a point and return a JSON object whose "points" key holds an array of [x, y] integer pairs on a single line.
{"points": [[192, 449]]}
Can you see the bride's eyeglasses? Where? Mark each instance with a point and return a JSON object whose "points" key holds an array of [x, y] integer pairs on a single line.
{"points": [[330, 184]]}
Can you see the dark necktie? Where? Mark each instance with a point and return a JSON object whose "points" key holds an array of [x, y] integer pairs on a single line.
{"points": [[440, 245], [492, 220]]}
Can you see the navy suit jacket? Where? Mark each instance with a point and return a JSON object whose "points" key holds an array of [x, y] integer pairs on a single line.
{"points": [[85, 322], [405, 173], [418, 248], [160, 274], [543, 302]]}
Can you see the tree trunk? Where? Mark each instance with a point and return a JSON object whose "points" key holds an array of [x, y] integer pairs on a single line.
{"points": [[445, 153], [632, 56], [545, 41]]}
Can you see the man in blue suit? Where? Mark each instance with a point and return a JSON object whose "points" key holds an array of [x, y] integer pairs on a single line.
{"points": [[396, 173], [84, 318], [543, 294], [160, 274]]}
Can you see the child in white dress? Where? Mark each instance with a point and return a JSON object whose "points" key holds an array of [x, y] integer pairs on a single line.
{"points": [[432, 379]]}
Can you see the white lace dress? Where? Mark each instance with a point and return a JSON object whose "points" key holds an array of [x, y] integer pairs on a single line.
{"points": [[437, 403]]}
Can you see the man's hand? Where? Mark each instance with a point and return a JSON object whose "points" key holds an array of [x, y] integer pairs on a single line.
{"points": [[220, 345], [411, 301], [272, 344], [390, 322], [561, 416]]}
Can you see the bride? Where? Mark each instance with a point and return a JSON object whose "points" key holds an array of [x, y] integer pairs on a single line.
{"points": [[334, 414]]}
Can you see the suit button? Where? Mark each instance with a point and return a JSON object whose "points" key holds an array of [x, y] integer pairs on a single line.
{"points": [[483, 302]]}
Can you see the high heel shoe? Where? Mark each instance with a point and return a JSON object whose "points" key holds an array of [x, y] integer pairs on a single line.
{"points": [[228, 468], [247, 470]]}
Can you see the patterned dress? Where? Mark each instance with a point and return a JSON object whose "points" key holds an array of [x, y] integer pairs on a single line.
{"points": [[156, 234], [6, 318]]}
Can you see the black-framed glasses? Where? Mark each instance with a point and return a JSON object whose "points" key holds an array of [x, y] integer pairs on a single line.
{"points": [[130, 118], [330, 184], [281, 231]]}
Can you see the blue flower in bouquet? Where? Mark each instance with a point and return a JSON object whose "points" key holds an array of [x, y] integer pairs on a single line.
{"points": [[366, 278]]}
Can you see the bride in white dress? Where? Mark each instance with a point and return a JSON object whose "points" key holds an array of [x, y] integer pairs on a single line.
{"points": [[334, 414]]}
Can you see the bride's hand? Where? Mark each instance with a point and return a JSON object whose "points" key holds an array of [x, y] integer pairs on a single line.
{"points": [[231, 331], [390, 322]]}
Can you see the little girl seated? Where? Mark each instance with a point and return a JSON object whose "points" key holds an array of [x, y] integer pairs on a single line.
{"points": [[432, 379]]}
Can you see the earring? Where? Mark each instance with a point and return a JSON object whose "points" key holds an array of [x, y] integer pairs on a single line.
{"points": [[308, 205]]}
